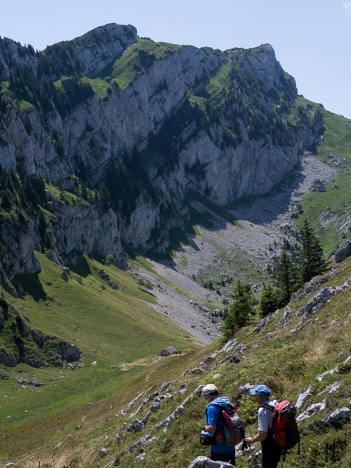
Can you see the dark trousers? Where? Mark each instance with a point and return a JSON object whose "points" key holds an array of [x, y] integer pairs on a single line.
{"points": [[227, 457], [271, 453]]}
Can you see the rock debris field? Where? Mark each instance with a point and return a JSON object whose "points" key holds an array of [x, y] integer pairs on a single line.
{"points": [[261, 223]]}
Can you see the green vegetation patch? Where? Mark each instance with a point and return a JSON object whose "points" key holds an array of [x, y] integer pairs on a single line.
{"points": [[138, 58], [330, 212], [105, 324]]}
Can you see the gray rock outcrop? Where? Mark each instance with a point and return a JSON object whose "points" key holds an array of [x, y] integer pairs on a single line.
{"points": [[343, 252], [312, 410], [205, 462], [303, 397], [339, 417]]}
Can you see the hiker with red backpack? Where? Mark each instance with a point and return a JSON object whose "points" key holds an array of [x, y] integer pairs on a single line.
{"points": [[277, 428], [223, 428]]}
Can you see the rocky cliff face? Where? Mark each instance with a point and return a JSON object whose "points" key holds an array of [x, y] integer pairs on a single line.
{"points": [[173, 118]]}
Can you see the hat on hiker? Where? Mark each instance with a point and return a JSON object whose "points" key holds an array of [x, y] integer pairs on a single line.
{"points": [[261, 390], [209, 388]]}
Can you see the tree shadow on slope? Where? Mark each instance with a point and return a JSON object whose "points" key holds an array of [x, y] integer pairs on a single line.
{"points": [[31, 285], [82, 268]]}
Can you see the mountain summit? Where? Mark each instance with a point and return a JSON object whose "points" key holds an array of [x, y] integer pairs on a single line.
{"points": [[130, 127]]}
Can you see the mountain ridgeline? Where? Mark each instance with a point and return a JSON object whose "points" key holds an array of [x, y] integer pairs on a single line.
{"points": [[102, 138]]}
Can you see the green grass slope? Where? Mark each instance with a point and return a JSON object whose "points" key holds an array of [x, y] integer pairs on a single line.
{"points": [[330, 211], [288, 354], [118, 334]]}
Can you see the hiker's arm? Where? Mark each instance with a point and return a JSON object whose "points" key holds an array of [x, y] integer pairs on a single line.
{"points": [[210, 428], [257, 438]]}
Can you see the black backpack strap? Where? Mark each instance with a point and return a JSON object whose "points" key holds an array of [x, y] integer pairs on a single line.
{"points": [[267, 406]]}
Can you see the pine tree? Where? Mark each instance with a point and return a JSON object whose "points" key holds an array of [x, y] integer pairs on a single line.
{"points": [[286, 278], [270, 301], [311, 255], [240, 310]]}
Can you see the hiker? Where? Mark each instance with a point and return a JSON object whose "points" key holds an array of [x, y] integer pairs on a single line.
{"points": [[271, 451], [214, 425]]}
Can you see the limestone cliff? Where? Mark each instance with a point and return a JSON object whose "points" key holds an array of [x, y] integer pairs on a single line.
{"points": [[150, 120]]}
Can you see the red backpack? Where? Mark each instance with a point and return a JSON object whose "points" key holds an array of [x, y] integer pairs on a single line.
{"points": [[284, 426]]}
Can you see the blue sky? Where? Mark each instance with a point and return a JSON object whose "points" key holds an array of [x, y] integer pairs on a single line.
{"points": [[312, 38]]}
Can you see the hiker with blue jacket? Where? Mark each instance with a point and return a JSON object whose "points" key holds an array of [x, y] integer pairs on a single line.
{"points": [[271, 451], [214, 425]]}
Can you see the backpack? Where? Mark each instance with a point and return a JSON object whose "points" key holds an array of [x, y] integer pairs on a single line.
{"points": [[284, 426], [233, 426]]}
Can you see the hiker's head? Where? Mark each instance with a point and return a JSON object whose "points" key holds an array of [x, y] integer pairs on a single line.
{"points": [[210, 392], [261, 393]]}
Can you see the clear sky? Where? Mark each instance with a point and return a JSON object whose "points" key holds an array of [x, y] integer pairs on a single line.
{"points": [[311, 38]]}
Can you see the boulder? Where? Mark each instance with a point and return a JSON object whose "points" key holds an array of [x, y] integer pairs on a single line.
{"points": [[156, 405], [66, 274], [68, 352], [137, 426], [343, 252], [339, 417], [318, 186], [169, 351]]}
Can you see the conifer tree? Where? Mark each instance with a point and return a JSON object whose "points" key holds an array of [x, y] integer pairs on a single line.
{"points": [[270, 301], [240, 310], [286, 277], [311, 255]]}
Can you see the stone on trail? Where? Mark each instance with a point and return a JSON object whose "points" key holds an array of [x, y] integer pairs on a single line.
{"points": [[205, 462]]}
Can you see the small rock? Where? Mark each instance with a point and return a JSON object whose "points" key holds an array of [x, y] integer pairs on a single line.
{"points": [[245, 389], [104, 451], [66, 274]]}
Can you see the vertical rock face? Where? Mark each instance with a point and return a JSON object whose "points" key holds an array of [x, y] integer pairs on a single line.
{"points": [[19, 243], [82, 229], [170, 119]]}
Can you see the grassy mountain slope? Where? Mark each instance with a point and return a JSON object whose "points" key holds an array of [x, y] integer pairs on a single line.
{"points": [[114, 329], [288, 354], [330, 211]]}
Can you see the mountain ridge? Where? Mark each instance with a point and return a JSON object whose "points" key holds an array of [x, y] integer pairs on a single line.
{"points": [[187, 119]]}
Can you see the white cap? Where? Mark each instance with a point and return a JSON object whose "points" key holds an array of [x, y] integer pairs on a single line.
{"points": [[209, 388]]}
